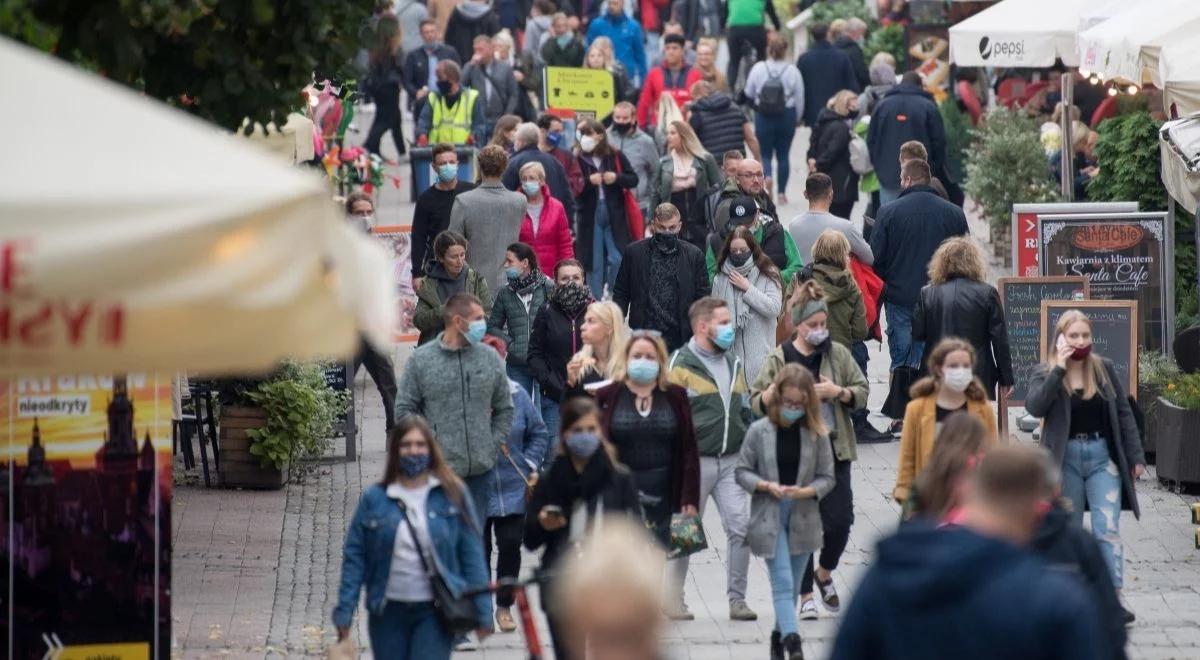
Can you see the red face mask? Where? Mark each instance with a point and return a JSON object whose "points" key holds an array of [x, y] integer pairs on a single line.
{"points": [[1082, 352]]}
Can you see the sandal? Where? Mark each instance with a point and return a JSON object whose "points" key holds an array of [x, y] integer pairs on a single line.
{"points": [[504, 620]]}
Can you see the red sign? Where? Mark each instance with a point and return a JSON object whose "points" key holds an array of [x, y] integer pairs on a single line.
{"points": [[1107, 238], [1026, 245], [1025, 229]]}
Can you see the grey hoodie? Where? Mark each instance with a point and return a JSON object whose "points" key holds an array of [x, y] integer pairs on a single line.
{"points": [[464, 394], [535, 27], [410, 13]]}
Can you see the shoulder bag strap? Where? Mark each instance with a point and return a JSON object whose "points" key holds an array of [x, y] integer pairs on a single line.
{"points": [[432, 572]]}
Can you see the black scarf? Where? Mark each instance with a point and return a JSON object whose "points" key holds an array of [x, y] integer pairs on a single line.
{"points": [[567, 485], [571, 298], [664, 284], [526, 282]]}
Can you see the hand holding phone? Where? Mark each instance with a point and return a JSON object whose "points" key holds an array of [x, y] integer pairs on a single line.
{"points": [[551, 518]]}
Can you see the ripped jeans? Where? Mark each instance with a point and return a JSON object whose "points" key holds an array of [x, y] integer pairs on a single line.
{"points": [[1089, 476]]}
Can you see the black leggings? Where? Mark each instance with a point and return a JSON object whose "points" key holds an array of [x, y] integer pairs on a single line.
{"points": [[380, 368], [837, 515], [385, 120], [508, 531], [740, 38]]}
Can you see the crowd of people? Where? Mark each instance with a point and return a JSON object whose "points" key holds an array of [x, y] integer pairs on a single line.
{"points": [[617, 325]]}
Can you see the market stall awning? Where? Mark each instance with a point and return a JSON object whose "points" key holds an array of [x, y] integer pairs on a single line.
{"points": [[137, 237], [1179, 76], [1126, 47], [1179, 151], [1019, 33]]}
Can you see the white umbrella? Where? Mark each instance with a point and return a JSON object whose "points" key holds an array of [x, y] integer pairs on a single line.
{"points": [[1018, 33], [1179, 76], [1126, 46], [137, 237]]}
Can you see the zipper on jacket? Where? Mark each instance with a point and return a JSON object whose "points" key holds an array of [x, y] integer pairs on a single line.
{"points": [[464, 382], [728, 399]]}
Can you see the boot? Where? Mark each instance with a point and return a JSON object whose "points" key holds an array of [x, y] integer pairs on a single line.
{"points": [[776, 646], [791, 647]]}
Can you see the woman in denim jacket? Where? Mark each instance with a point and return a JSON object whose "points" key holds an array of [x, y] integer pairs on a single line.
{"points": [[380, 553]]}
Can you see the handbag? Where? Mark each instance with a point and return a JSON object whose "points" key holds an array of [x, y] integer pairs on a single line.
{"points": [[687, 536], [897, 400], [457, 613], [633, 212]]}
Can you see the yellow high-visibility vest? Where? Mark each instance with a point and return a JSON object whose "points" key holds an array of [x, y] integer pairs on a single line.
{"points": [[452, 125]]}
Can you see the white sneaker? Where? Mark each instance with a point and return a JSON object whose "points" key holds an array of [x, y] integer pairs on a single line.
{"points": [[467, 643], [808, 610]]}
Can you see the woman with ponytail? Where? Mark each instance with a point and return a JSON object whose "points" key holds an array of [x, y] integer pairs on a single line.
{"points": [[841, 388], [951, 386]]}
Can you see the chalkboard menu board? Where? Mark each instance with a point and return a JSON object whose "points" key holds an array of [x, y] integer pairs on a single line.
{"points": [[1114, 332], [1022, 299], [1125, 256], [335, 377]]}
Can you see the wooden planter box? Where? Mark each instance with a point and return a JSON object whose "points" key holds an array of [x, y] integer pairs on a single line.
{"points": [[239, 468], [1178, 443], [1147, 396]]}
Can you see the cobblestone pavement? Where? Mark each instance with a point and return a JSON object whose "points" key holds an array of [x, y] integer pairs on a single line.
{"points": [[255, 573]]}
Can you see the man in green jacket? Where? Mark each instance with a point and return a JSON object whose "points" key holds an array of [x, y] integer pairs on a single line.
{"points": [[720, 402], [459, 386]]}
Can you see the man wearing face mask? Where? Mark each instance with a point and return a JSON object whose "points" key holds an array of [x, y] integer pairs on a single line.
{"points": [[432, 214], [550, 141], [637, 146], [659, 279], [460, 386], [720, 403], [526, 150], [420, 66], [453, 114], [768, 230]]}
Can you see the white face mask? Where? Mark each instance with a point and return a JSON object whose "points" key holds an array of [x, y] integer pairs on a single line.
{"points": [[587, 144], [958, 378]]}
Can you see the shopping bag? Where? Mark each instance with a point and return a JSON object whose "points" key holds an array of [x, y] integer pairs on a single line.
{"points": [[687, 536]]}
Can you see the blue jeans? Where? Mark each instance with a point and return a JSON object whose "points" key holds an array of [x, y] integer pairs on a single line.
{"points": [[523, 377], [775, 134], [903, 349], [480, 486], [1089, 476], [785, 571], [606, 256], [408, 630], [550, 417]]}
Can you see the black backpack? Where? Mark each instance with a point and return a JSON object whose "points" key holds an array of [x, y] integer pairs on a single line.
{"points": [[772, 98]]}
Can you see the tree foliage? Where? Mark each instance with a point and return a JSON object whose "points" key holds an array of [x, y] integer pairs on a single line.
{"points": [[958, 137], [224, 60], [1006, 166], [887, 39]]}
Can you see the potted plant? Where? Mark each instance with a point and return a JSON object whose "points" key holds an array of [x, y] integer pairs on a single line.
{"points": [[1155, 371], [267, 425], [1177, 417]]}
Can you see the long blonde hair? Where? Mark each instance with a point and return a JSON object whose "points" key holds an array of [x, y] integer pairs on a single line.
{"points": [[957, 257], [604, 46], [660, 353], [610, 315], [1094, 374], [667, 111], [688, 140], [840, 102]]}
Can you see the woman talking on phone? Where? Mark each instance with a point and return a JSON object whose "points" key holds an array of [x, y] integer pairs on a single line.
{"points": [[1090, 429], [583, 485]]}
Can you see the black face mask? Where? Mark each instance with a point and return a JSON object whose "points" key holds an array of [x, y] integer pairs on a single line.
{"points": [[739, 260], [445, 87], [622, 128]]}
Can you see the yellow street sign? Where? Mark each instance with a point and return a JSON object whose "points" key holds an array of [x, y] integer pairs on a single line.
{"points": [[588, 91]]}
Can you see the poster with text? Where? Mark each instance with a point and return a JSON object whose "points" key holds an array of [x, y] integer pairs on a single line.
{"points": [[86, 484], [1125, 256]]}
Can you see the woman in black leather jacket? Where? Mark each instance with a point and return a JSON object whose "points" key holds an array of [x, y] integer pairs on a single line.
{"points": [[958, 302]]}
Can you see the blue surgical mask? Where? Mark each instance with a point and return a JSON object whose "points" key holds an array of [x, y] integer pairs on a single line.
{"points": [[447, 172], [565, 39], [642, 370], [531, 188], [476, 330], [791, 415], [724, 336], [581, 444], [512, 273], [554, 137], [412, 465]]}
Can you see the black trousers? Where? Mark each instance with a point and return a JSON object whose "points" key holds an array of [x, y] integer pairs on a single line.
{"points": [[837, 515], [841, 209], [379, 366], [557, 633], [385, 120], [508, 531], [740, 39]]}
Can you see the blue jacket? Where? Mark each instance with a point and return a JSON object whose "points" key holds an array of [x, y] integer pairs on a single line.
{"points": [[628, 44], [905, 113], [940, 593], [907, 233], [826, 71], [371, 539], [528, 443]]}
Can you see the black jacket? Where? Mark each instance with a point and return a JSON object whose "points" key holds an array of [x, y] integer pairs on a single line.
{"points": [[1069, 549], [552, 342], [906, 112], [614, 199], [859, 61], [463, 27], [719, 123], [970, 310], [416, 69], [556, 176], [907, 233], [692, 16], [826, 71], [632, 292], [830, 147]]}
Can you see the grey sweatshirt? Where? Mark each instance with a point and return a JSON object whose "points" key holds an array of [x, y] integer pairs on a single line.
{"points": [[716, 365], [464, 394], [788, 74], [490, 216], [639, 148], [806, 228]]}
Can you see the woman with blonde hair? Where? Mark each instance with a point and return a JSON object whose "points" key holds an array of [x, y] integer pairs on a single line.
{"points": [[706, 64], [787, 465], [600, 56], [1088, 427], [649, 420], [830, 267], [603, 335], [829, 150], [667, 111], [958, 302], [950, 387], [683, 175]]}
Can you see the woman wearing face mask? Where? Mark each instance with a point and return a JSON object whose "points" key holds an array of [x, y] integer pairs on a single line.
{"points": [[603, 335], [516, 306], [1088, 426], [787, 466], [449, 275], [546, 227], [603, 229], [600, 56], [583, 485], [555, 337], [417, 516], [841, 388], [940, 487], [649, 421], [682, 176], [951, 386], [749, 282]]}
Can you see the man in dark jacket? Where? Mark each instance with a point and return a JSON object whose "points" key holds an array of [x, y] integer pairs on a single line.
{"points": [[719, 123], [826, 71], [940, 592], [850, 43], [907, 112], [659, 279], [526, 150], [907, 233], [699, 18], [420, 66]]}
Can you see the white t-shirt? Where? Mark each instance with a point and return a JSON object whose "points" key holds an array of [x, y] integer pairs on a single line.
{"points": [[407, 579]]}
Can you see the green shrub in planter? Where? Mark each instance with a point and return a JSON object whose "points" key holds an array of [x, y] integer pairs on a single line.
{"points": [[1177, 416], [301, 409], [1155, 371], [889, 39]]}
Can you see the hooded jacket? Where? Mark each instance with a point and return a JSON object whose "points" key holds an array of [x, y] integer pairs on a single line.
{"points": [[906, 112], [719, 123], [941, 593], [720, 424], [527, 448], [535, 28], [628, 43], [469, 20], [847, 320], [830, 147], [553, 241], [428, 316]]}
